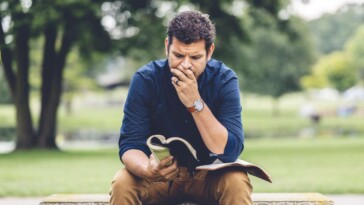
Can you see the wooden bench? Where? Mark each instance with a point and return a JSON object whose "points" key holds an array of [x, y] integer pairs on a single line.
{"points": [[258, 199]]}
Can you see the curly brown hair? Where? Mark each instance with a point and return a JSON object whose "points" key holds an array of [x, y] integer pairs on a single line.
{"points": [[191, 26]]}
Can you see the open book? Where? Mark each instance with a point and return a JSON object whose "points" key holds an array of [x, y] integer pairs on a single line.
{"points": [[176, 146], [187, 156]]}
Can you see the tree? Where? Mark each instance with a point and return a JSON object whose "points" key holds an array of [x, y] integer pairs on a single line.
{"points": [[331, 31], [277, 61], [65, 25], [333, 70], [232, 26], [341, 69], [62, 25], [354, 48]]}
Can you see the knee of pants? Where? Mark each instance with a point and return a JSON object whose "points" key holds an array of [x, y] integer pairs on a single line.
{"points": [[234, 179], [124, 182]]}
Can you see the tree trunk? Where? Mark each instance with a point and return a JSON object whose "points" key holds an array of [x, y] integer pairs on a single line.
{"points": [[46, 129], [25, 132], [51, 94]]}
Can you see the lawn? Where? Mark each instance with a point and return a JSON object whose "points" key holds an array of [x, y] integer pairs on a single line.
{"points": [[326, 165], [296, 165], [331, 162], [92, 112], [40, 173]]}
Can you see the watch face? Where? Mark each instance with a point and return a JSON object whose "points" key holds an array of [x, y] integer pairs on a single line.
{"points": [[198, 105]]}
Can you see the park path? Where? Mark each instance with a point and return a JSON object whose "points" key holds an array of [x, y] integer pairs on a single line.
{"points": [[338, 199], [20, 201]]}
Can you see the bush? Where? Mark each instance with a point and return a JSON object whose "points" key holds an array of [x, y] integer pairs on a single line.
{"points": [[7, 133], [5, 97]]}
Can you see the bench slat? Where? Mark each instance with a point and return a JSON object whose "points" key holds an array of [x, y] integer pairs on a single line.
{"points": [[258, 199]]}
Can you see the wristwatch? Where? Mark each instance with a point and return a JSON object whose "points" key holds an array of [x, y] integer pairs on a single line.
{"points": [[198, 105]]}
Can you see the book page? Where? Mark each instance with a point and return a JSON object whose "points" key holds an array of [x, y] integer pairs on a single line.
{"points": [[188, 145], [249, 167]]}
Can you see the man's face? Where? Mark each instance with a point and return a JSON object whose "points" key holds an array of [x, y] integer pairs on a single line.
{"points": [[192, 56]]}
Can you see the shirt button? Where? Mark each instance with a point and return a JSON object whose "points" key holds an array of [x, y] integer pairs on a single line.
{"points": [[186, 121]]}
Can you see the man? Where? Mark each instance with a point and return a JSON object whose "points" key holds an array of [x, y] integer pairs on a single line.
{"points": [[191, 96]]}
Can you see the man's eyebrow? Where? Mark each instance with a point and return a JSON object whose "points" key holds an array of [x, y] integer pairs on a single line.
{"points": [[176, 53]]}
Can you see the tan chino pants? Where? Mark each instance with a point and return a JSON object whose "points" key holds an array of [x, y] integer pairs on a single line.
{"points": [[229, 186]]}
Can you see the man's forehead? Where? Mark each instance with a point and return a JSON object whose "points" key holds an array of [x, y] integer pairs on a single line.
{"points": [[193, 48]]}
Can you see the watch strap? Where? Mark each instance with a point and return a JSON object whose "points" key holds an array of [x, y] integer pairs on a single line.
{"points": [[191, 109]]}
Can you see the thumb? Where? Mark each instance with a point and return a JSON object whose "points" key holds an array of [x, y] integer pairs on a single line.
{"points": [[153, 159]]}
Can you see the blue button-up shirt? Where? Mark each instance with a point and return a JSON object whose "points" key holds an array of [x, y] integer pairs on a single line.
{"points": [[153, 107]]}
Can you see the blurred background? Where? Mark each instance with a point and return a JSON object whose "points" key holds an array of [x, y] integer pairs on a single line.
{"points": [[66, 66]]}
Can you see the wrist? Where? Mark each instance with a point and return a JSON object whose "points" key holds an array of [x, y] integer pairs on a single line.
{"points": [[198, 105], [146, 174]]}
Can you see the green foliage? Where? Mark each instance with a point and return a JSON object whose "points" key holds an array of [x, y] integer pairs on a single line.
{"points": [[233, 28], [332, 31], [7, 133], [355, 49], [342, 77], [334, 70], [277, 61], [5, 96], [345, 68]]}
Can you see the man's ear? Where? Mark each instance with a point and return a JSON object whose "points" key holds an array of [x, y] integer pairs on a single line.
{"points": [[166, 45], [210, 51]]}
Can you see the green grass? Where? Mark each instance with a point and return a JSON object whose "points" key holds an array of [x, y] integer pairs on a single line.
{"points": [[40, 172], [326, 165], [330, 163]]}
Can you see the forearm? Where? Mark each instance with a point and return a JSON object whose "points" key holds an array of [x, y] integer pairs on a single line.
{"points": [[136, 162], [213, 133]]}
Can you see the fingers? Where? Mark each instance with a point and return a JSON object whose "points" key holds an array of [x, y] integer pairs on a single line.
{"points": [[171, 172], [188, 72], [185, 83], [166, 162], [164, 170], [167, 172], [180, 79], [183, 74], [175, 81]]}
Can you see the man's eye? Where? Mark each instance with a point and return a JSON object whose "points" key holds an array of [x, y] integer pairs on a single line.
{"points": [[195, 57], [179, 56]]}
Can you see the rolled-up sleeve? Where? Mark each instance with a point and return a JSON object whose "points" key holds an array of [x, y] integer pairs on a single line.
{"points": [[229, 115], [136, 121]]}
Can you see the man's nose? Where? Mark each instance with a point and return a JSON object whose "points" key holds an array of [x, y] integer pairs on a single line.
{"points": [[186, 62]]}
